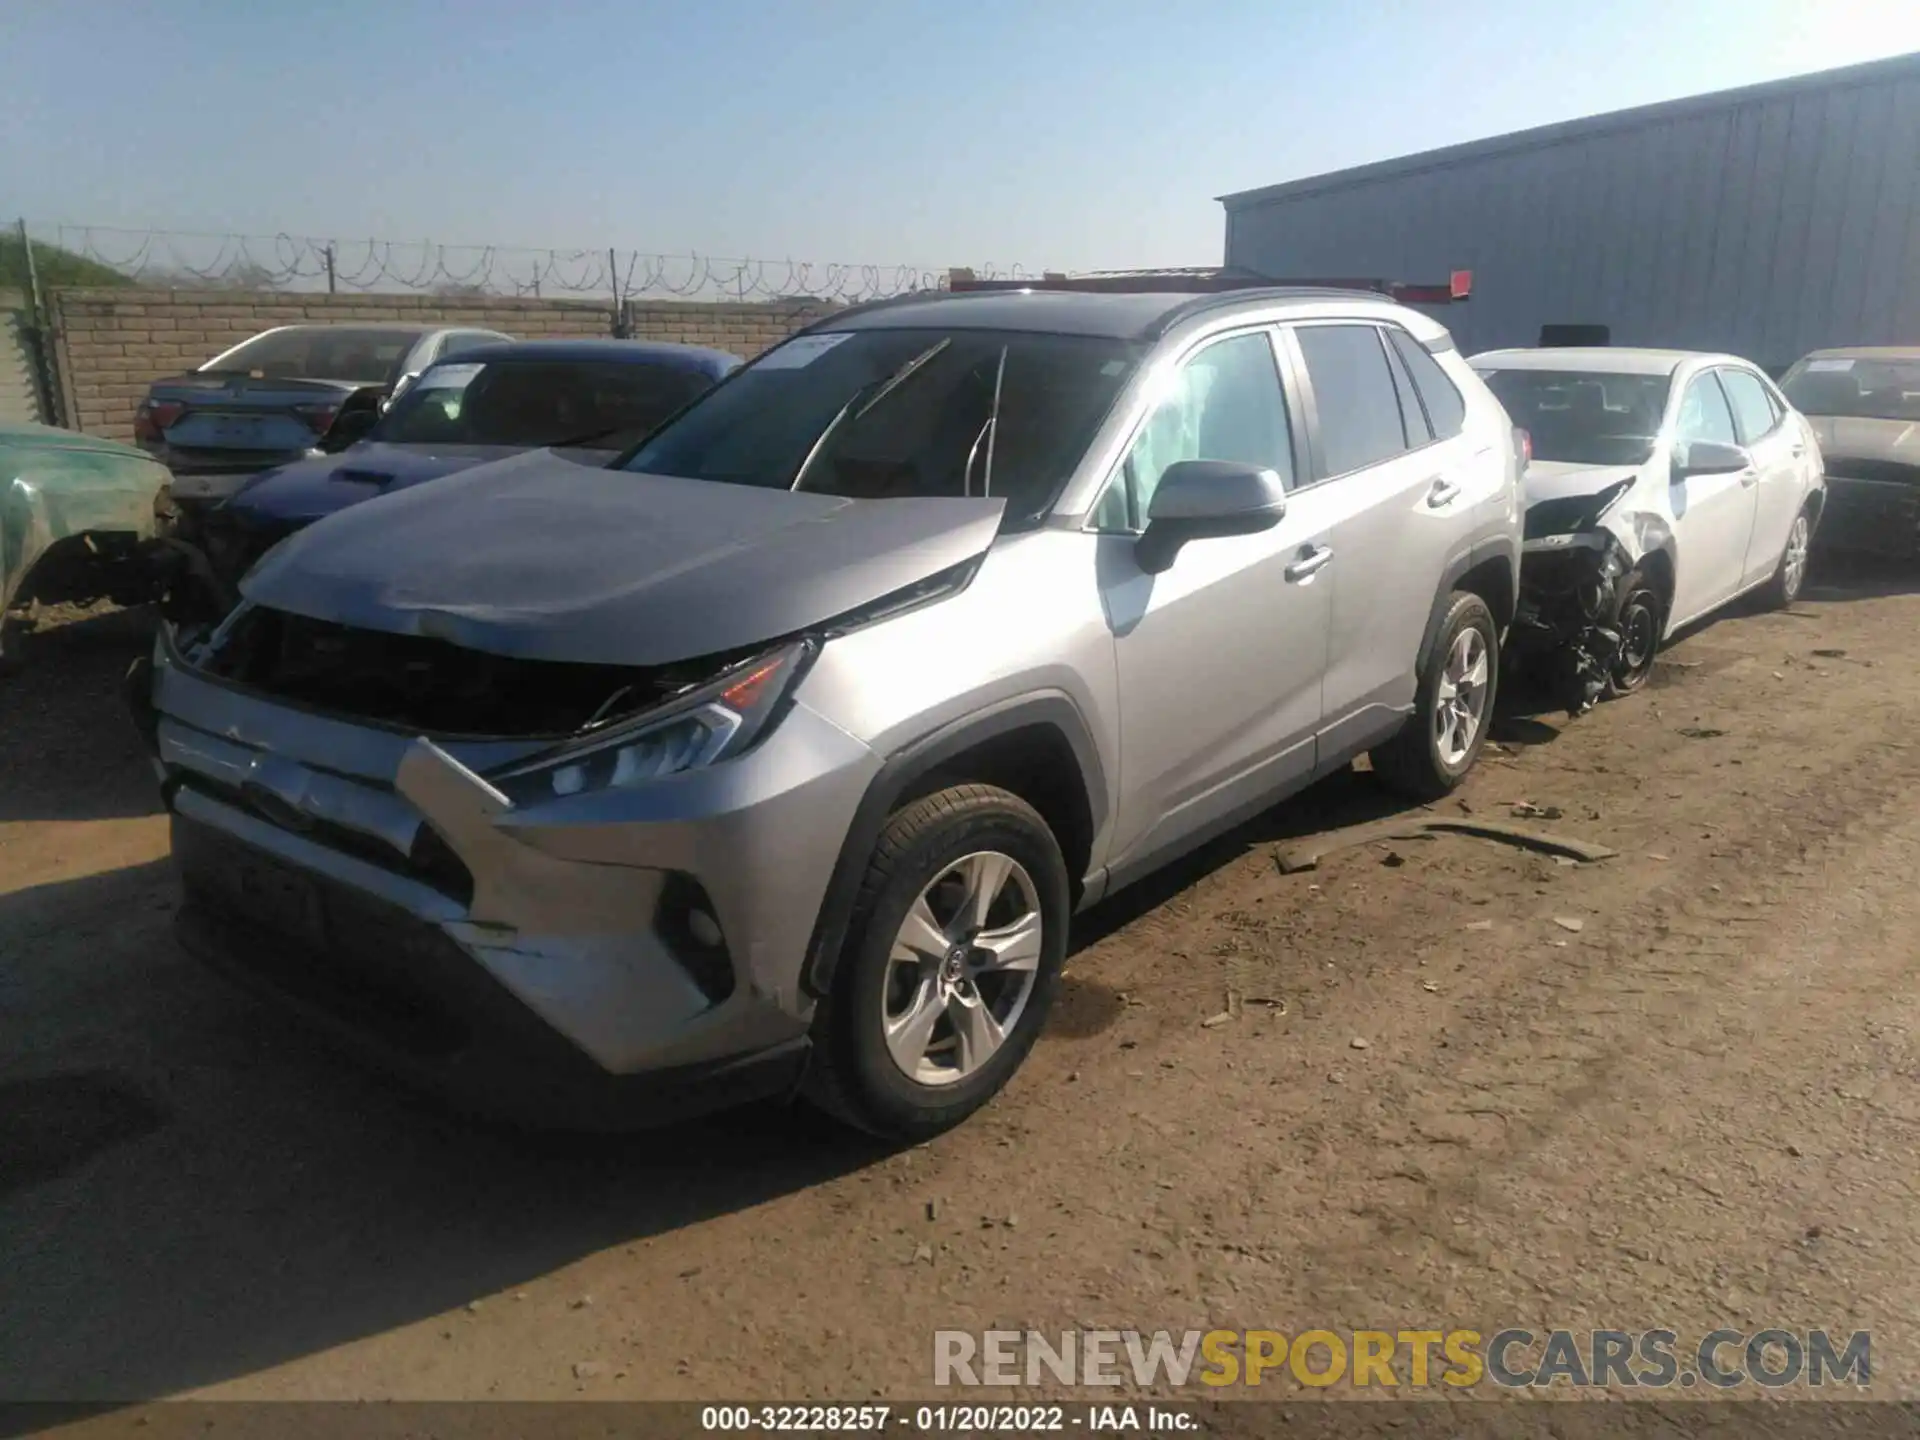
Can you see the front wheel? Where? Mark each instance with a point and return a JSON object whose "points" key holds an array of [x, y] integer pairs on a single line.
{"points": [[1453, 705], [1637, 617], [1791, 573], [950, 966]]}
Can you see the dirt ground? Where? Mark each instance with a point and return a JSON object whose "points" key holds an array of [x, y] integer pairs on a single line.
{"points": [[1693, 1107]]}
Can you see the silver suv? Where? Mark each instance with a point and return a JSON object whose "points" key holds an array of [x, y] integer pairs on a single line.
{"points": [[777, 755]]}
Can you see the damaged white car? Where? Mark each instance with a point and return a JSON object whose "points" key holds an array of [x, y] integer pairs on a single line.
{"points": [[1661, 484]]}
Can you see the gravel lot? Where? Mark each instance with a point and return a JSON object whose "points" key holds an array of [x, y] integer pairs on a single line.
{"points": [[1437, 1102]]}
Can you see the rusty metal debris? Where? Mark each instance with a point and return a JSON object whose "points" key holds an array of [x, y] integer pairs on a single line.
{"points": [[1307, 854]]}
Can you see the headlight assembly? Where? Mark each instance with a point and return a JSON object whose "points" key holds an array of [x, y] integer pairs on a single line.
{"points": [[707, 723]]}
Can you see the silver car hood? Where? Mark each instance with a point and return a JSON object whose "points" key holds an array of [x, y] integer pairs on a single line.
{"points": [[548, 560]]}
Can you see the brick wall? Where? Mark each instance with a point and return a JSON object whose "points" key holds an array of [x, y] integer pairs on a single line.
{"points": [[110, 344]]}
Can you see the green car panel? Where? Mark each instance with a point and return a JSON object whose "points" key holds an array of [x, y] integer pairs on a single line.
{"points": [[56, 485]]}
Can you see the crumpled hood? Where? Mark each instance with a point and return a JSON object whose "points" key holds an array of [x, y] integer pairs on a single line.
{"points": [[308, 489], [1858, 438], [1559, 479], [543, 559]]}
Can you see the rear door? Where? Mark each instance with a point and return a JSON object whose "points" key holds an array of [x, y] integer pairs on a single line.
{"points": [[1399, 506], [1712, 514], [1779, 459]]}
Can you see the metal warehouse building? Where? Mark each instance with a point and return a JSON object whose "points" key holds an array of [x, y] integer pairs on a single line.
{"points": [[1766, 221]]}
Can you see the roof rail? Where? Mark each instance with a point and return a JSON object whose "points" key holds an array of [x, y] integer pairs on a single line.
{"points": [[1457, 287]]}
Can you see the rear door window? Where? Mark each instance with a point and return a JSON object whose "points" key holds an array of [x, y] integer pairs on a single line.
{"points": [[1441, 398], [1354, 399], [1412, 417], [1753, 410]]}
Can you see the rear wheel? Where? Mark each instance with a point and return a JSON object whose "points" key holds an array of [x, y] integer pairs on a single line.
{"points": [[1453, 705], [950, 965], [1791, 573]]}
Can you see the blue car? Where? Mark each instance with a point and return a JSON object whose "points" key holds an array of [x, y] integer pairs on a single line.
{"points": [[588, 399]]}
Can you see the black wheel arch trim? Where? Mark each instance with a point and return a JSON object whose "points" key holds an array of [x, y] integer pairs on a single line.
{"points": [[915, 760], [1472, 558]]}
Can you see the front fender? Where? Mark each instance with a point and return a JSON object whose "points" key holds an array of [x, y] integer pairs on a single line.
{"points": [[913, 762]]}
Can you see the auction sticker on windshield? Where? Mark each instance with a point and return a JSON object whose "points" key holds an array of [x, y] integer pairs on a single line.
{"points": [[1829, 364], [803, 351]]}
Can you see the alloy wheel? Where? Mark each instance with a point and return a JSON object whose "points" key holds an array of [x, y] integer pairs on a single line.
{"points": [[1461, 705], [1793, 564], [962, 968]]}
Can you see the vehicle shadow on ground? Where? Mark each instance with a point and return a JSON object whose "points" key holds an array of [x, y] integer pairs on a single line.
{"points": [[1842, 575], [193, 1188], [68, 750], [1347, 797]]}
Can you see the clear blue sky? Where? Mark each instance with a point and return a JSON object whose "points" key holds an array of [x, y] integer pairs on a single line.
{"points": [[1051, 133]]}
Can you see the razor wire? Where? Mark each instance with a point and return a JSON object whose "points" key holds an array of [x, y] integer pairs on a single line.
{"points": [[307, 264]]}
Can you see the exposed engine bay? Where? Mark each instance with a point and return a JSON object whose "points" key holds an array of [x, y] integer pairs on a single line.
{"points": [[430, 685], [1568, 629]]}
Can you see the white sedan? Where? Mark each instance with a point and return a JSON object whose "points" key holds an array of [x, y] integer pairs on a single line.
{"points": [[1661, 485]]}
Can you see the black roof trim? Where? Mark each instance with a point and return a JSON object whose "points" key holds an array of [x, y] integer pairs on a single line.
{"points": [[1201, 304]]}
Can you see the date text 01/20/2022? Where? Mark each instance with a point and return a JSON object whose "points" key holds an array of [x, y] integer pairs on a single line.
{"points": [[946, 1419]]}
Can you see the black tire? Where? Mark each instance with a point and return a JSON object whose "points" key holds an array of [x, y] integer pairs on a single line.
{"points": [[853, 1075], [1412, 762], [1783, 588], [1639, 615]]}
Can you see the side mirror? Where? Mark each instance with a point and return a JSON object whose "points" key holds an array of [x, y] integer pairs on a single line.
{"points": [[1205, 499], [1710, 457], [351, 427]]}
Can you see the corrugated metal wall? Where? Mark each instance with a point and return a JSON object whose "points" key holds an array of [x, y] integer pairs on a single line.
{"points": [[20, 397], [1767, 227]]}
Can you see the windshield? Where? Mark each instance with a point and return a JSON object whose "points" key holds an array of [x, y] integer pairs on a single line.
{"points": [[873, 414], [1583, 417], [322, 352], [531, 403], [1872, 389]]}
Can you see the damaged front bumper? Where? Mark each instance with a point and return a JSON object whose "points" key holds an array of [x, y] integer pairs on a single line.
{"points": [[198, 555], [599, 959], [1565, 628]]}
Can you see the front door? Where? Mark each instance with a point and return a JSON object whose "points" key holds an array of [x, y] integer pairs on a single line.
{"points": [[1219, 657], [1712, 514]]}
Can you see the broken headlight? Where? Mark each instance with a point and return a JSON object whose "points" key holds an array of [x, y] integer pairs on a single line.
{"points": [[699, 726]]}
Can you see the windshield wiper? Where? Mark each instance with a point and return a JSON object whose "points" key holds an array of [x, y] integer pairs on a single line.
{"points": [[861, 402]]}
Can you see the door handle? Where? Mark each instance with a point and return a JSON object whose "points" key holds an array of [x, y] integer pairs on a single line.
{"points": [[1749, 478], [1312, 559], [1798, 451], [1441, 493]]}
